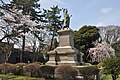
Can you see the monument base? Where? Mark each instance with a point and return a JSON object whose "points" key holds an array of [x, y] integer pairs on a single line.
{"points": [[71, 63], [63, 56], [51, 63], [65, 53]]}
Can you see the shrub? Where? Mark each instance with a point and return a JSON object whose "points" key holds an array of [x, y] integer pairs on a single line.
{"points": [[106, 77], [18, 69], [66, 72], [38, 63], [32, 69], [47, 71], [20, 64], [89, 72], [6, 68], [112, 66], [101, 64]]}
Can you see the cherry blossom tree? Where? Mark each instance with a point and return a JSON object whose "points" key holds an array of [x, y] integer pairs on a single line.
{"points": [[101, 51], [19, 23], [25, 25]]}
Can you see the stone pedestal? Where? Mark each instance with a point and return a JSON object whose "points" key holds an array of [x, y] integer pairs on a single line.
{"points": [[65, 53]]}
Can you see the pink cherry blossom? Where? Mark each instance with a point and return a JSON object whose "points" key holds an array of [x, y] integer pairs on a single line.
{"points": [[101, 51]]}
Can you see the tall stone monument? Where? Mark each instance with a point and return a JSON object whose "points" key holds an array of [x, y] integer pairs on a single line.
{"points": [[65, 53]]}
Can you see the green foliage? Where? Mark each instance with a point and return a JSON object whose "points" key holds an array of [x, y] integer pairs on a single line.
{"points": [[47, 71], [112, 66], [116, 47], [66, 72], [54, 21], [53, 18], [108, 77], [18, 69], [7, 76], [13, 77], [84, 39], [30, 7], [26, 78], [89, 72], [85, 36]]}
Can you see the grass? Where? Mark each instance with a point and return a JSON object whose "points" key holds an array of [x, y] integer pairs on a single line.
{"points": [[108, 77], [13, 77]]}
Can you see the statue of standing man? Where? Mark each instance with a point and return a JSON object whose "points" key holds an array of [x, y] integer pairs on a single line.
{"points": [[66, 18]]}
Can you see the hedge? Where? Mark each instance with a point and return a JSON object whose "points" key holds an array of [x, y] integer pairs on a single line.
{"points": [[66, 72], [89, 72]]}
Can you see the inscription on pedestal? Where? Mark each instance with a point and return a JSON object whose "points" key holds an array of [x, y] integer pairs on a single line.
{"points": [[66, 37]]}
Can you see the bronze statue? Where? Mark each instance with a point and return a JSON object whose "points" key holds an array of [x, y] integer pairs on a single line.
{"points": [[66, 18]]}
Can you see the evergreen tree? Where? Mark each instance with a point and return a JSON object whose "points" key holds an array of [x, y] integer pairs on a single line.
{"points": [[112, 67], [54, 21], [85, 37]]}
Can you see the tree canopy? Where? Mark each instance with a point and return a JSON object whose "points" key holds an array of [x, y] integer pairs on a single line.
{"points": [[100, 52], [25, 25], [116, 47], [54, 21], [85, 37], [28, 7], [112, 66]]}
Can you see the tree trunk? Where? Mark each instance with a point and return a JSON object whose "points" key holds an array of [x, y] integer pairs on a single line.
{"points": [[114, 77], [23, 47], [97, 76], [34, 52], [51, 44]]}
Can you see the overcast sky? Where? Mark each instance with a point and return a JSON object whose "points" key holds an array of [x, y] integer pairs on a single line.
{"points": [[88, 12]]}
